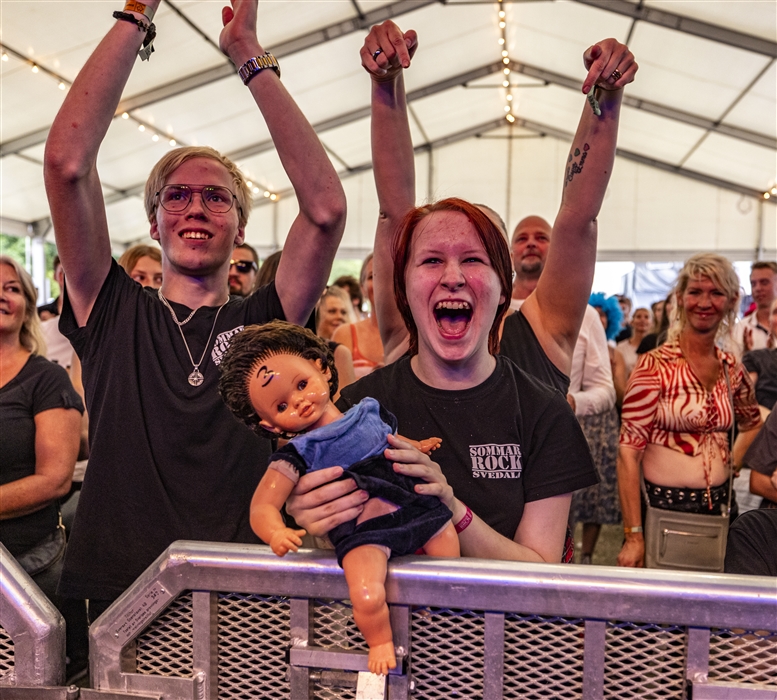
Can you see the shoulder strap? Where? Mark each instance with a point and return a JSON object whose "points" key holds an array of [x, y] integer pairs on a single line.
{"points": [[730, 465]]}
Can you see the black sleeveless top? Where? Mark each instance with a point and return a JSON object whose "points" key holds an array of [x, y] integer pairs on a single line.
{"points": [[520, 344]]}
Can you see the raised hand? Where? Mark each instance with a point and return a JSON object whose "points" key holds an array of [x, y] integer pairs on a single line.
{"points": [[238, 37], [387, 50], [610, 65]]}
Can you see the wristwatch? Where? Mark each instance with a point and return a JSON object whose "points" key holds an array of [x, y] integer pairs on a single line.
{"points": [[257, 64]]}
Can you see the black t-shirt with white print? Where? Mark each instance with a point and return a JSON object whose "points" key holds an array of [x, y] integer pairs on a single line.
{"points": [[506, 442], [168, 460]]}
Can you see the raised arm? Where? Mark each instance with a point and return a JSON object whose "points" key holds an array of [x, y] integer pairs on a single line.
{"points": [[316, 232], [555, 317], [385, 54], [70, 162]]}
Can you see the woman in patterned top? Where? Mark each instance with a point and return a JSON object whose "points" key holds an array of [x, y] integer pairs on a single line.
{"points": [[677, 412]]}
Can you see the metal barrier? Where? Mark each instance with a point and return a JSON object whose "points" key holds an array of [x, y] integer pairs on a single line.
{"points": [[32, 632], [234, 622]]}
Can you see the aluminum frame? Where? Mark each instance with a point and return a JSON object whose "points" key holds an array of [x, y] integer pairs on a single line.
{"points": [[597, 596], [35, 627]]}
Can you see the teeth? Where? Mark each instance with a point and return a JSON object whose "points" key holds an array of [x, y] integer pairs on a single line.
{"points": [[195, 234], [452, 305]]}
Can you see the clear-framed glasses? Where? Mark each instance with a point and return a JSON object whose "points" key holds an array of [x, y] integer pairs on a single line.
{"points": [[177, 198]]}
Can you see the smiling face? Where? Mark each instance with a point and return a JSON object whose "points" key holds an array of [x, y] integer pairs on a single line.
{"points": [[197, 241], [763, 283], [147, 272], [641, 321], [332, 313], [452, 289], [13, 305], [289, 393], [704, 305]]}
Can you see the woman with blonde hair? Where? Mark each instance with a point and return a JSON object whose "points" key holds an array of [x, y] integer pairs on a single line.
{"points": [[40, 413], [677, 411], [144, 264]]}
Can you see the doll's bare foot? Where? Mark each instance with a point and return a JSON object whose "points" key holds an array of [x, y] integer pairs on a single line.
{"points": [[382, 658]]}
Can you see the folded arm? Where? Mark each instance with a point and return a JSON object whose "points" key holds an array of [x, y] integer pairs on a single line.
{"points": [[556, 318], [57, 433]]}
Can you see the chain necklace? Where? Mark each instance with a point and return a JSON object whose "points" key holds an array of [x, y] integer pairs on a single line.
{"points": [[195, 378]]}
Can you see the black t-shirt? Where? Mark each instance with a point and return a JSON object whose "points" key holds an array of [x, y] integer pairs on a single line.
{"points": [[752, 544], [506, 442], [40, 386], [520, 344], [765, 363], [168, 460]]}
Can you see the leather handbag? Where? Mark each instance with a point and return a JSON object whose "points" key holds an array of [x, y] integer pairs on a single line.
{"points": [[689, 541], [45, 553]]}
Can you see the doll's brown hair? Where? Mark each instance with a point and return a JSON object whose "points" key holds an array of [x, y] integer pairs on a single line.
{"points": [[255, 344]]}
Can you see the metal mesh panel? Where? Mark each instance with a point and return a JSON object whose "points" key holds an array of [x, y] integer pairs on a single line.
{"points": [[743, 656], [447, 653], [333, 685], [164, 648], [644, 662], [254, 635], [543, 658], [332, 625], [6, 654]]}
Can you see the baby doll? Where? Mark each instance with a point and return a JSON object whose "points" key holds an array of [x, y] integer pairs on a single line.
{"points": [[279, 378]]}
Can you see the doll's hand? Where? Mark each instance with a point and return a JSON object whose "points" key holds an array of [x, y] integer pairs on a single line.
{"points": [[425, 446], [410, 461], [319, 504], [286, 540]]}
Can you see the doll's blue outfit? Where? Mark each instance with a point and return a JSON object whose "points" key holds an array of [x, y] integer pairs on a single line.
{"points": [[356, 442]]}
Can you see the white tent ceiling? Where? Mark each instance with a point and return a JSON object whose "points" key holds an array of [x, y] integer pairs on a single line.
{"points": [[698, 142]]}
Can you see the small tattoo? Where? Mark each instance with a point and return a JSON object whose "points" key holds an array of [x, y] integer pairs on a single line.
{"points": [[576, 168], [267, 373]]}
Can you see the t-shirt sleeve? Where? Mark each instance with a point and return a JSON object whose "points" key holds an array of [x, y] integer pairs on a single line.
{"points": [[109, 309], [748, 415], [288, 455], [761, 456], [53, 389], [640, 403], [559, 460], [264, 305]]}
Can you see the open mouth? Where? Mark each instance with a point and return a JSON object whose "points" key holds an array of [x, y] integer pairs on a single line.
{"points": [[453, 317]]}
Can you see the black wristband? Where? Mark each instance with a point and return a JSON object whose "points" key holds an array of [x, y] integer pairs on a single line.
{"points": [[150, 29]]}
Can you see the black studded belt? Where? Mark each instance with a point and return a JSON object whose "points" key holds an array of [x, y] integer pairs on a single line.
{"points": [[688, 500]]}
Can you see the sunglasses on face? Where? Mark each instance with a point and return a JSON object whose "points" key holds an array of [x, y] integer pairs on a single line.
{"points": [[243, 265], [177, 198]]}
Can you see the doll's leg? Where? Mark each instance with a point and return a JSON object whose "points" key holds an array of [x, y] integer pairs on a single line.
{"points": [[365, 572], [444, 544]]}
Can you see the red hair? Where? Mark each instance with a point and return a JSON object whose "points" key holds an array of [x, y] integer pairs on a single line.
{"points": [[493, 241]]}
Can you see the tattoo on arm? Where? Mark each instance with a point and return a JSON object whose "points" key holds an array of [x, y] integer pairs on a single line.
{"points": [[575, 168]]}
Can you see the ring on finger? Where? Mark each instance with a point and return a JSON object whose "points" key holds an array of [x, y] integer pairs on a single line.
{"points": [[616, 75], [376, 53]]}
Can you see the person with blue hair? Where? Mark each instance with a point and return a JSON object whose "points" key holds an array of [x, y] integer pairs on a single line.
{"points": [[609, 311]]}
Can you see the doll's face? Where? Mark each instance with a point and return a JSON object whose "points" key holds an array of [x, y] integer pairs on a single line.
{"points": [[289, 393]]}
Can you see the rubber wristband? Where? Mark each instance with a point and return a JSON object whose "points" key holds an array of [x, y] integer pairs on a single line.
{"points": [[463, 524], [632, 530]]}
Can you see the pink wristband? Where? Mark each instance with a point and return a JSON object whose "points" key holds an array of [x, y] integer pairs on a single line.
{"points": [[463, 524]]}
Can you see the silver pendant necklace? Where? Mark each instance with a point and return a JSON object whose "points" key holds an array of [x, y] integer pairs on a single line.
{"points": [[195, 378]]}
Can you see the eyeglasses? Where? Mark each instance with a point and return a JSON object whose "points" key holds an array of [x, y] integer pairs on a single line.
{"points": [[177, 198], [244, 265]]}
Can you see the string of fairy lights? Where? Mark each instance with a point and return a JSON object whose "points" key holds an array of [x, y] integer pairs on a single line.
{"points": [[502, 41], [145, 127]]}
